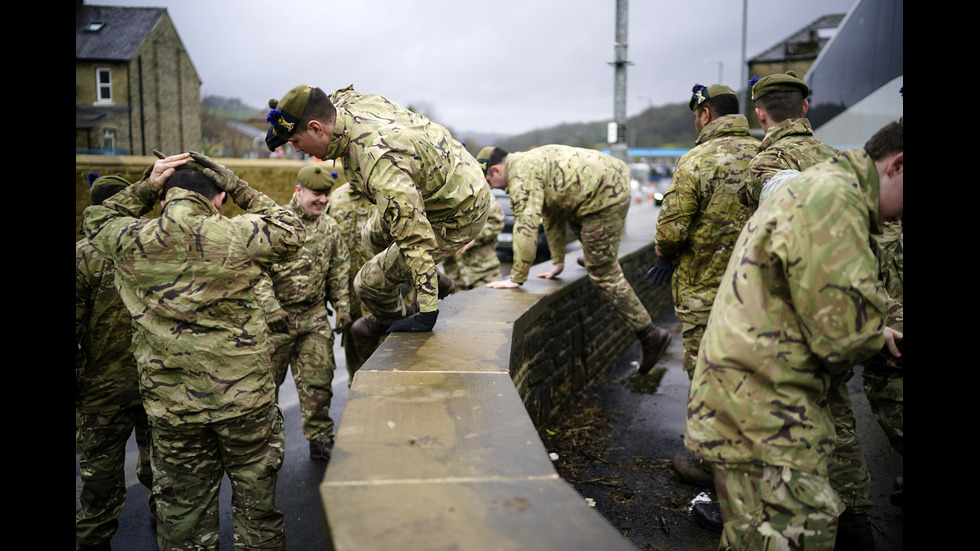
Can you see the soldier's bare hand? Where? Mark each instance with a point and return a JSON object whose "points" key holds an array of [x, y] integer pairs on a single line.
{"points": [[503, 284], [890, 337], [164, 168], [556, 269]]}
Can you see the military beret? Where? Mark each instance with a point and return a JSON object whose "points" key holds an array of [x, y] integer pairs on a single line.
{"points": [[285, 114], [484, 156], [319, 178], [701, 93], [115, 179], [783, 82]]}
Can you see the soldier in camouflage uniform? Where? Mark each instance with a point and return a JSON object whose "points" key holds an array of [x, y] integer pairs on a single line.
{"points": [[352, 211], [200, 341], [107, 400], [781, 106], [883, 379], [799, 303], [294, 296], [789, 144], [476, 264], [699, 221], [429, 195], [700, 218], [588, 191]]}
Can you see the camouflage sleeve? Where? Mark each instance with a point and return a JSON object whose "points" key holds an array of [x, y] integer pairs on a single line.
{"points": [[338, 278], [527, 200], [403, 210], [271, 233], [554, 229], [108, 224], [677, 213], [832, 274], [265, 293], [83, 290]]}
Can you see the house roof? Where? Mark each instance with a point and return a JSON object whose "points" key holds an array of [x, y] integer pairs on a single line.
{"points": [[123, 30], [783, 49]]}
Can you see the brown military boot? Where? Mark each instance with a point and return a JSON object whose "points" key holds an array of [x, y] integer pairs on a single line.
{"points": [[321, 450], [654, 341], [694, 471], [368, 327], [446, 286]]}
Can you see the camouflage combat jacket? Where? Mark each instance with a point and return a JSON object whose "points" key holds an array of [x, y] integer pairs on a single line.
{"points": [[188, 278], [351, 211], [701, 216], [104, 364], [320, 270], [415, 173], [554, 185], [799, 303], [788, 145]]}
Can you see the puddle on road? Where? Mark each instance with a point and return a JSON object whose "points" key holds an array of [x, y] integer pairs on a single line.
{"points": [[645, 384]]}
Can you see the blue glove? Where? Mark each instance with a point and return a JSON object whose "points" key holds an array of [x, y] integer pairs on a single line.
{"points": [[421, 322], [660, 273]]}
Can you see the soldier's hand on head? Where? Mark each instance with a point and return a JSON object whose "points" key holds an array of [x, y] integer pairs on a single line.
{"points": [[419, 323], [660, 273], [222, 176], [164, 167], [343, 321], [278, 321]]}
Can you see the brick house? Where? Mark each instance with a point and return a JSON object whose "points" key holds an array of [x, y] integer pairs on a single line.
{"points": [[136, 88]]}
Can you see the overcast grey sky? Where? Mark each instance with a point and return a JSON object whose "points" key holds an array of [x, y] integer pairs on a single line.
{"points": [[507, 66]]}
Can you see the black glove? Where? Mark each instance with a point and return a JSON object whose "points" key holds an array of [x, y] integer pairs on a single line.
{"points": [[660, 273], [343, 321], [272, 140], [278, 321], [419, 323]]}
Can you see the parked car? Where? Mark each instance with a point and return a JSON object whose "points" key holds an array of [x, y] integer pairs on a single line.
{"points": [[505, 239]]}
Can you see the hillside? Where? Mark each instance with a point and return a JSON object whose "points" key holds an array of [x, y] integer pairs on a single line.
{"points": [[662, 126]]}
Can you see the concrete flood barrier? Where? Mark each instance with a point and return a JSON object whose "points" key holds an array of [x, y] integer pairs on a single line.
{"points": [[438, 446]]}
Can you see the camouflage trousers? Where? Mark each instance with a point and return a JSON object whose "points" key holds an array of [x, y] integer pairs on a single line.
{"points": [[189, 462], [378, 281], [885, 389], [308, 350], [473, 268], [773, 508], [101, 438], [357, 351], [848, 471], [691, 336], [600, 235]]}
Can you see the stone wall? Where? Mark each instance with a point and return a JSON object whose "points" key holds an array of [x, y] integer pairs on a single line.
{"points": [[565, 342], [438, 447], [274, 177]]}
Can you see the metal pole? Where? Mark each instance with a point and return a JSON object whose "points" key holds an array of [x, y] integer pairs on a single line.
{"points": [[619, 147]]}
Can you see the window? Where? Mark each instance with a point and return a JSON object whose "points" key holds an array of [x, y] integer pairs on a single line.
{"points": [[108, 139], [103, 83]]}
